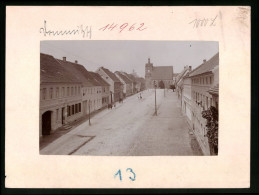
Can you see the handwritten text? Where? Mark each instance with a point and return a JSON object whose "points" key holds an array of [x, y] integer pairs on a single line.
{"points": [[124, 26], [85, 31], [204, 22]]}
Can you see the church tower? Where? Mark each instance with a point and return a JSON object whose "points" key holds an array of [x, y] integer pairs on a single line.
{"points": [[148, 74]]}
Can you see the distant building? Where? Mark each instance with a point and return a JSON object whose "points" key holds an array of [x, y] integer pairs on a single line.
{"points": [[204, 93], [158, 74], [116, 87], [105, 88], [142, 83], [179, 81], [60, 95], [127, 83], [132, 81]]}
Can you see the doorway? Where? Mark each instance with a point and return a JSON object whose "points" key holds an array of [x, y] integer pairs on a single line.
{"points": [[63, 115], [46, 123]]}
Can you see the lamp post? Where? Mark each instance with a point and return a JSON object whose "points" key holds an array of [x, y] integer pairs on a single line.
{"points": [[89, 113], [155, 99]]}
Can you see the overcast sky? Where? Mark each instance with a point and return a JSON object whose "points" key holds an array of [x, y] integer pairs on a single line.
{"points": [[129, 55]]}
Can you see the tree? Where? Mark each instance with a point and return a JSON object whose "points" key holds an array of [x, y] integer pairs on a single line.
{"points": [[212, 128], [161, 85]]}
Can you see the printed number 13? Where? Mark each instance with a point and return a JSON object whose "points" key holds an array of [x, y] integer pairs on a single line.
{"points": [[127, 170]]}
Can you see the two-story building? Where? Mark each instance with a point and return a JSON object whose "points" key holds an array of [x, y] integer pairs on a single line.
{"points": [[204, 92], [127, 84], [91, 91], [60, 95], [105, 88], [115, 85]]}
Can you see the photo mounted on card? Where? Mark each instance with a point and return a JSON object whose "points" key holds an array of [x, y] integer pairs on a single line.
{"points": [[128, 98], [111, 100]]}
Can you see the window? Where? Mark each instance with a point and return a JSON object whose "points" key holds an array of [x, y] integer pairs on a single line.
{"points": [[68, 110], [73, 109], [210, 80], [51, 93], [72, 90], [207, 102], [206, 80], [76, 108], [57, 92], [44, 93], [63, 91], [79, 107], [67, 91], [79, 90], [57, 114]]}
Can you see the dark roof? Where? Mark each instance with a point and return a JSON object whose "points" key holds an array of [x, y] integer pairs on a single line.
{"points": [[79, 71], [99, 79], [207, 66], [162, 72], [123, 77], [130, 77], [52, 71], [110, 74]]}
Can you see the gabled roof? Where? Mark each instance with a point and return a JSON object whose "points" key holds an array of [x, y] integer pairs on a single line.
{"points": [[162, 72], [130, 77], [207, 66], [123, 77], [181, 75], [52, 71], [99, 79], [110, 74], [79, 71]]}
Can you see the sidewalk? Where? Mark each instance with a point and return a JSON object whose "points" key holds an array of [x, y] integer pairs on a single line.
{"points": [[47, 139]]}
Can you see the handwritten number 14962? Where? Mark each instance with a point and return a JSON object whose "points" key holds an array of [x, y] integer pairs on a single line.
{"points": [[131, 176], [125, 26]]}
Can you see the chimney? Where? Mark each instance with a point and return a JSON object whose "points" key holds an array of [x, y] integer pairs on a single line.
{"points": [[76, 61], [204, 61], [149, 60], [64, 59], [190, 67]]}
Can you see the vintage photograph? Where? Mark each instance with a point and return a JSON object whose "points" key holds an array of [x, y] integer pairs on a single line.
{"points": [[129, 98]]}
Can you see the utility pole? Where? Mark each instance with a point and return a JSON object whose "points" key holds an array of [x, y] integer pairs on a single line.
{"points": [[155, 99], [89, 113]]}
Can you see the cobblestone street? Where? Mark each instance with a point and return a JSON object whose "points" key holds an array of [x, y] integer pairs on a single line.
{"points": [[132, 129]]}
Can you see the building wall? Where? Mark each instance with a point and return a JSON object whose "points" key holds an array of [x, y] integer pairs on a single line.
{"points": [[117, 91], [105, 95], [109, 81], [201, 100], [186, 100], [57, 97]]}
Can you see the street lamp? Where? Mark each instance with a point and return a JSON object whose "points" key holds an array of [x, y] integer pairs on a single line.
{"points": [[155, 98]]}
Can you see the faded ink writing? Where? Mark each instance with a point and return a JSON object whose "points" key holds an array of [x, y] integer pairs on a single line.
{"points": [[204, 22], [85, 31]]}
